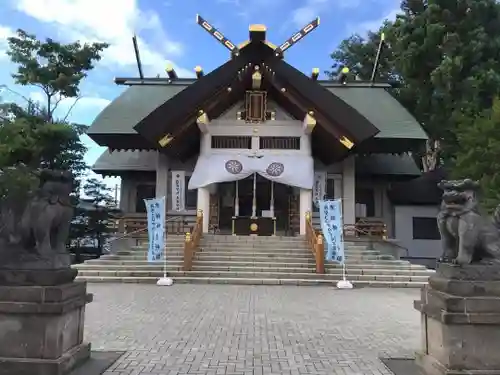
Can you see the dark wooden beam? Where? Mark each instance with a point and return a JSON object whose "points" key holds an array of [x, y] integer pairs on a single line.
{"points": [[292, 98]]}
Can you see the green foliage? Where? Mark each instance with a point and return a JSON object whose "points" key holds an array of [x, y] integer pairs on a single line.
{"points": [[29, 134], [93, 222], [480, 156], [31, 137], [359, 53], [444, 56], [447, 53], [58, 69]]}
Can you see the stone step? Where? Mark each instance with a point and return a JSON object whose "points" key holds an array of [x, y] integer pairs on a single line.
{"points": [[330, 270], [261, 257], [242, 281], [244, 252], [229, 237], [265, 267], [361, 264], [252, 275]]}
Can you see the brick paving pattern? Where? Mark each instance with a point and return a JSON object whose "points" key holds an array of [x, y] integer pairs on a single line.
{"points": [[243, 330]]}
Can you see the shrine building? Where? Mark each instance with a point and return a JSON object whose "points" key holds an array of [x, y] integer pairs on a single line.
{"points": [[256, 141]]}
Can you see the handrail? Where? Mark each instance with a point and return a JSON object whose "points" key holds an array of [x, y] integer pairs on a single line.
{"points": [[133, 224], [113, 239], [316, 245], [142, 229], [192, 241]]}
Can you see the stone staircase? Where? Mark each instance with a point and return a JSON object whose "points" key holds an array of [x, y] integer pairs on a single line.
{"points": [[253, 260]]}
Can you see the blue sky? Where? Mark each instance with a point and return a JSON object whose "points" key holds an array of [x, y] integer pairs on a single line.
{"points": [[167, 32]]}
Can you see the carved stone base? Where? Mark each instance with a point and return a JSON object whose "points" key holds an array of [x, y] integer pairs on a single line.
{"points": [[461, 321], [41, 329]]}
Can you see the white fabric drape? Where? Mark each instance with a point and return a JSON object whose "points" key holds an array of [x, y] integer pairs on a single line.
{"points": [[294, 170]]}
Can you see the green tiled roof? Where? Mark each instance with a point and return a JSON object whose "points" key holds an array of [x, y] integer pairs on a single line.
{"points": [[387, 164], [375, 103], [375, 164], [135, 103], [383, 111], [126, 161]]}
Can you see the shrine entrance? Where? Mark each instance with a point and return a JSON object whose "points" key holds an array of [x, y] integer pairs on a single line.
{"points": [[254, 200]]}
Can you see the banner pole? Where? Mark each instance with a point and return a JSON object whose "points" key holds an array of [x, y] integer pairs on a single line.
{"points": [[344, 284], [165, 280], [165, 254]]}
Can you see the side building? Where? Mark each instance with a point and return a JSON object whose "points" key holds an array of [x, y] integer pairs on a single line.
{"points": [[256, 138]]}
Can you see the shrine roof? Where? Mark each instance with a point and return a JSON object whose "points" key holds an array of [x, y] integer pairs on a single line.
{"points": [[114, 126], [161, 113], [119, 163], [421, 191]]}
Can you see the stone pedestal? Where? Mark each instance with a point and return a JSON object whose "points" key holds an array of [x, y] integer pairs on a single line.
{"points": [[41, 327], [461, 321]]}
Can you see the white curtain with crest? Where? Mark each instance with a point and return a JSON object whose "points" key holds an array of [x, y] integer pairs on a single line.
{"points": [[294, 170]]}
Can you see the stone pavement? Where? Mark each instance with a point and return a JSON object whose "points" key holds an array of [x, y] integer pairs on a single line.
{"points": [[261, 330]]}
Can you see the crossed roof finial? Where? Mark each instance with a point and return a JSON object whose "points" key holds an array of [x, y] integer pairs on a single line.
{"points": [[257, 33]]}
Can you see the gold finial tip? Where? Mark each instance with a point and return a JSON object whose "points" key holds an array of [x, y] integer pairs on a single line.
{"points": [[315, 71], [198, 68], [257, 27], [317, 19], [169, 67], [345, 70]]}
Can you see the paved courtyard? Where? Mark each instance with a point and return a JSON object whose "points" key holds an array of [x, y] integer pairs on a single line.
{"points": [[223, 329]]}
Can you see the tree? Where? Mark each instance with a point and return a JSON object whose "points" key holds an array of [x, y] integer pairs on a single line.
{"points": [[57, 69], [31, 134], [95, 214], [359, 53], [98, 193], [443, 54], [31, 137], [480, 158], [446, 52]]}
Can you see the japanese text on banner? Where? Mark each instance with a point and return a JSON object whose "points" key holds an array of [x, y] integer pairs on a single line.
{"points": [[178, 190], [332, 227], [156, 228], [319, 187]]}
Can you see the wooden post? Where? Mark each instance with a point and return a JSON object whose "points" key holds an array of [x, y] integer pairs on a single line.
{"points": [[320, 254], [188, 256]]}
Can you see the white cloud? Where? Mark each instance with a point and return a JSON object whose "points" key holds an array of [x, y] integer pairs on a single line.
{"points": [[113, 22], [309, 11], [5, 32], [373, 25]]}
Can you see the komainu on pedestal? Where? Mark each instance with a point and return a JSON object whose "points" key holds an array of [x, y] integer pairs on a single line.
{"points": [[42, 308], [460, 307]]}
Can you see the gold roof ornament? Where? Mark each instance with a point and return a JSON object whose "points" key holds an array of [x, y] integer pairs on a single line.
{"points": [[171, 71], [167, 138], [199, 71], [346, 142], [202, 120], [315, 74], [256, 78], [309, 122]]}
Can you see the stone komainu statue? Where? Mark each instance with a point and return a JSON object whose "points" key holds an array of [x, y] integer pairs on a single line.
{"points": [[42, 227], [466, 236]]}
